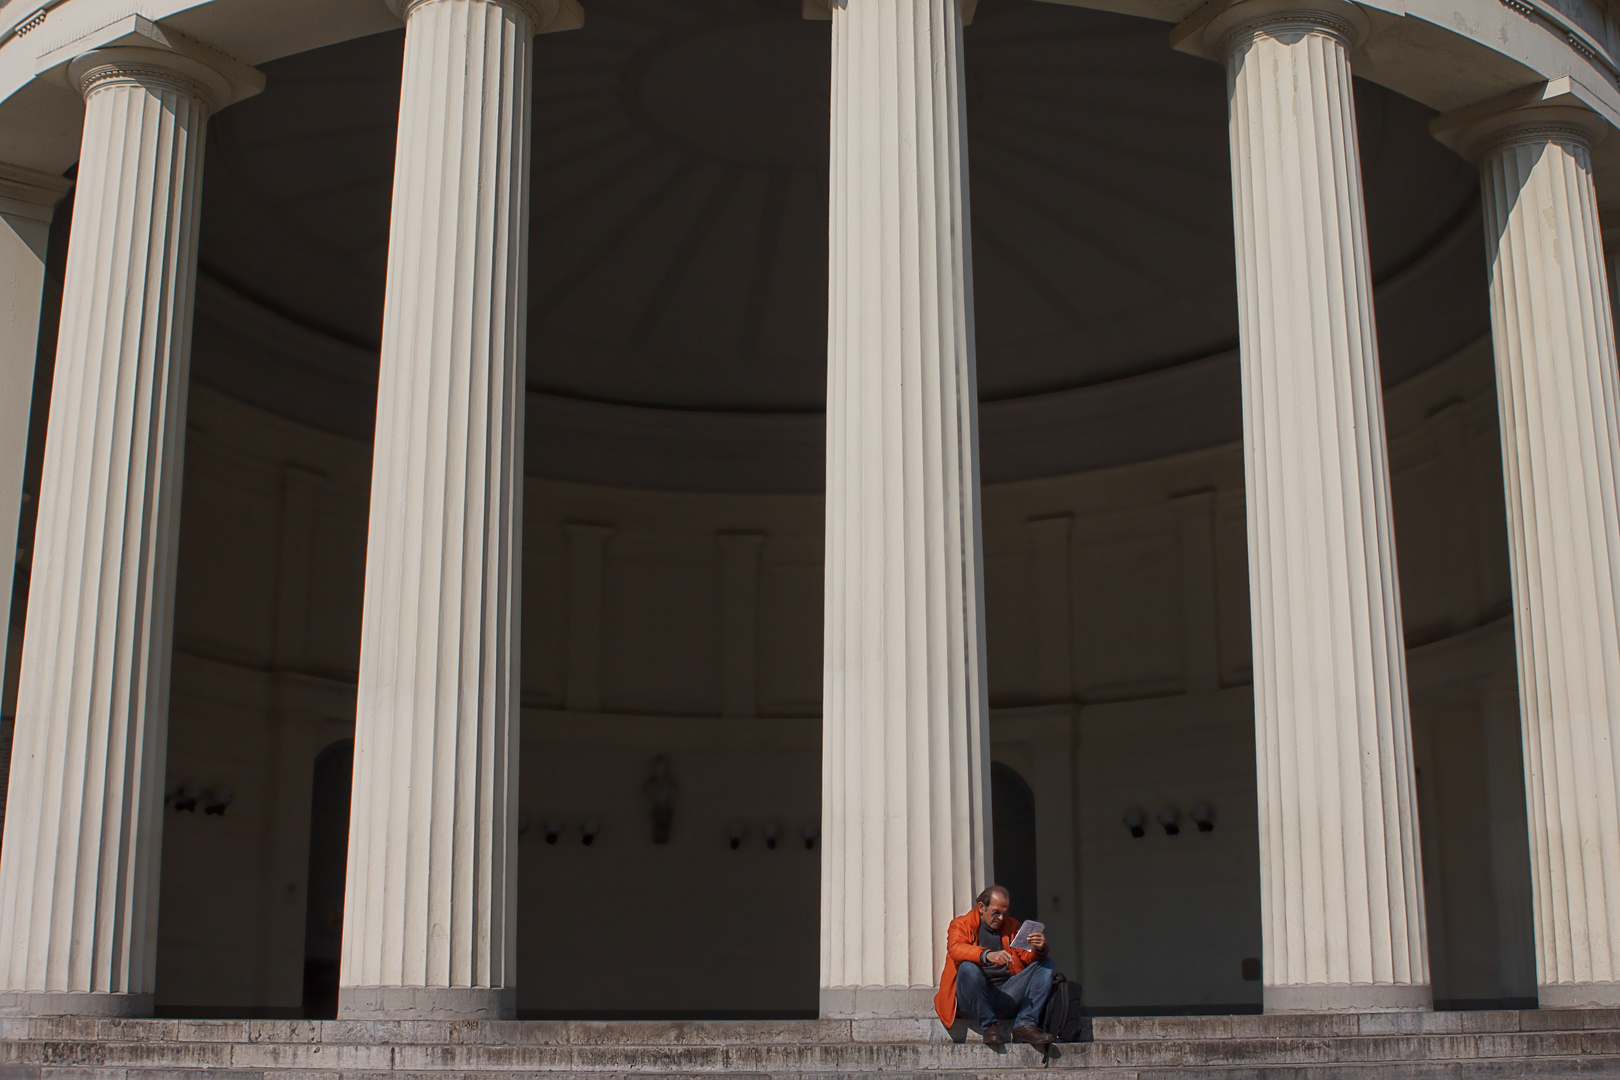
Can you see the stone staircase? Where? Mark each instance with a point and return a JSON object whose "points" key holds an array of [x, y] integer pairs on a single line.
{"points": [[1537, 1043]]}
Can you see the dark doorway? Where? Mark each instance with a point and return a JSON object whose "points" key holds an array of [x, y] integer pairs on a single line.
{"points": [[1012, 806], [328, 865]]}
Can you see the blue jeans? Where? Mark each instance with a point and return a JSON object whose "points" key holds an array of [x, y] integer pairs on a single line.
{"points": [[1021, 997]]}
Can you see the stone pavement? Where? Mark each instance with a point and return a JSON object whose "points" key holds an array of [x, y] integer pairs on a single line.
{"points": [[1412, 1046]]}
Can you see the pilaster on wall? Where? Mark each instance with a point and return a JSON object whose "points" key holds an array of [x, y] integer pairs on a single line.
{"points": [[1051, 604], [587, 555], [739, 618], [1456, 460], [300, 502], [1200, 628], [1509, 840]]}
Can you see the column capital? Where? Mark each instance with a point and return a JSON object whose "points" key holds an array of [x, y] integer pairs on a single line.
{"points": [[155, 69], [1216, 32], [821, 10], [545, 16], [27, 193], [1560, 109], [138, 51]]}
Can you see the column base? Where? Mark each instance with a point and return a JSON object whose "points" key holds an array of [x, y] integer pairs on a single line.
{"points": [[1588, 995], [73, 1003], [1349, 997], [427, 1003], [877, 1002]]}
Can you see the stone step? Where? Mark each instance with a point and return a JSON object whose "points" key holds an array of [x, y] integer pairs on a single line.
{"points": [[801, 1057], [750, 1032], [1328, 1025], [1440, 1046], [1535, 1069], [1541, 1069]]}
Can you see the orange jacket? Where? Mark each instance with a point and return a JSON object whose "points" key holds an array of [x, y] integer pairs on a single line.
{"points": [[962, 946]]}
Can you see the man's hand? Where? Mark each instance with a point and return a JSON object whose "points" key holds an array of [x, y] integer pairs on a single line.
{"points": [[1037, 942], [1000, 956]]}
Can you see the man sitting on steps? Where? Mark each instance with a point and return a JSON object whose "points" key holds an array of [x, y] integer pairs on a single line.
{"points": [[987, 980]]}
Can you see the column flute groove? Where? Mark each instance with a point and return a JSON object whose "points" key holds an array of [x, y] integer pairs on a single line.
{"points": [[905, 762]]}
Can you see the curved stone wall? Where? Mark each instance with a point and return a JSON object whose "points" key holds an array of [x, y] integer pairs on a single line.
{"points": [[1118, 647]]}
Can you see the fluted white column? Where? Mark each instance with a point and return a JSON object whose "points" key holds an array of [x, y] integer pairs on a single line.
{"points": [[432, 877], [1341, 881], [79, 862], [905, 804], [1553, 331]]}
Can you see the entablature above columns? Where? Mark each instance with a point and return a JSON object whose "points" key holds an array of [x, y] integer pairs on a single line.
{"points": [[1562, 104], [821, 10], [40, 115], [137, 47], [545, 16], [1449, 54], [1446, 54], [1559, 103]]}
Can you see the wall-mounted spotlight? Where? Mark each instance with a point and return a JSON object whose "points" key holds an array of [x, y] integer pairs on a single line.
{"points": [[1167, 817], [184, 796], [810, 833], [1203, 817], [554, 828], [736, 833], [772, 832], [216, 799], [1133, 821], [588, 830]]}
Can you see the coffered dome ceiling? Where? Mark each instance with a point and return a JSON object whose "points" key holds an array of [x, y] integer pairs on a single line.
{"points": [[678, 257]]}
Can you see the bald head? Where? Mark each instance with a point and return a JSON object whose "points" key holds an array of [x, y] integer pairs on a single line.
{"points": [[993, 904]]}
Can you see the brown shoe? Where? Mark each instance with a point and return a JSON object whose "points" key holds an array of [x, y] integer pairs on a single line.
{"points": [[1029, 1033], [992, 1035]]}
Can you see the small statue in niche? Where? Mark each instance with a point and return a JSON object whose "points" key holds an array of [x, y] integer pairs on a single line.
{"points": [[660, 788]]}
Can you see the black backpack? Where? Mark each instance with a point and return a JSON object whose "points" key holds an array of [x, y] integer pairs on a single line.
{"points": [[1062, 1018]]}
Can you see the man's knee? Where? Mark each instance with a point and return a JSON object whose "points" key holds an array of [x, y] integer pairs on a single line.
{"points": [[1041, 976], [970, 976]]}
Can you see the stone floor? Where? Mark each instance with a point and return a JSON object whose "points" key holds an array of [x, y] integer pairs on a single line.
{"points": [[1547, 1043]]}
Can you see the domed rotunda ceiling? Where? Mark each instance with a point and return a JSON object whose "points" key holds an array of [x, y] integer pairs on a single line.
{"points": [[678, 260]]}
